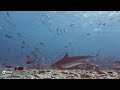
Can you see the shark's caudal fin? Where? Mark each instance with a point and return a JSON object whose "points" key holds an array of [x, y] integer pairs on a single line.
{"points": [[98, 53]]}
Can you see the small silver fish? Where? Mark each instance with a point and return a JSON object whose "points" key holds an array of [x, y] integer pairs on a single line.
{"points": [[47, 16], [8, 21], [65, 30], [23, 42], [1, 29], [44, 23], [42, 44], [8, 14], [19, 34], [8, 36], [72, 25], [59, 31]]}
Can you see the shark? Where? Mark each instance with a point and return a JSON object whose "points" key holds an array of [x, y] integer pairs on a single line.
{"points": [[67, 62]]}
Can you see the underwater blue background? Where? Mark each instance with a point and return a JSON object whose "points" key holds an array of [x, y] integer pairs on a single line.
{"points": [[79, 33]]}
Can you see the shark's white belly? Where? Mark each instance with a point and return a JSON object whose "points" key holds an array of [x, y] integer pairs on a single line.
{"points": [[71, 64], [74, 63]]}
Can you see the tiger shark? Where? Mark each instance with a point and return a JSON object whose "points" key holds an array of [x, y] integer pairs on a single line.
{"points": [[67, 62]]}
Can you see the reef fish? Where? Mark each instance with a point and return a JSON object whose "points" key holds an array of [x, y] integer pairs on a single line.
{"points": [[30, 61], [20, 68], [8, 66]]}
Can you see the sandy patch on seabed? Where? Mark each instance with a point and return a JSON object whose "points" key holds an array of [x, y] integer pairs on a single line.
{"points": [[61, 74]]}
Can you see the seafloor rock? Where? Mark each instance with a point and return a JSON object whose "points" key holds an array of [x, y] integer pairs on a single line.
{"points": [[62, 74]]}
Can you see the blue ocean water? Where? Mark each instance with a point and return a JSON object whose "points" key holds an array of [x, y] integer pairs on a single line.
{"points": [[48, 35]]}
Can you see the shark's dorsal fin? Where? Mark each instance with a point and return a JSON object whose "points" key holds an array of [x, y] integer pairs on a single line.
{"points": [[66, 56]]}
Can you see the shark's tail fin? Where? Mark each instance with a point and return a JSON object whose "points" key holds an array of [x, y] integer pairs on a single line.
{"points": [[98, 53], [98, 58]]}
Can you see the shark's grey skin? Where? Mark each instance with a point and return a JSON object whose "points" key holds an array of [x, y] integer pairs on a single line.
{"points": [[68, 62]]}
